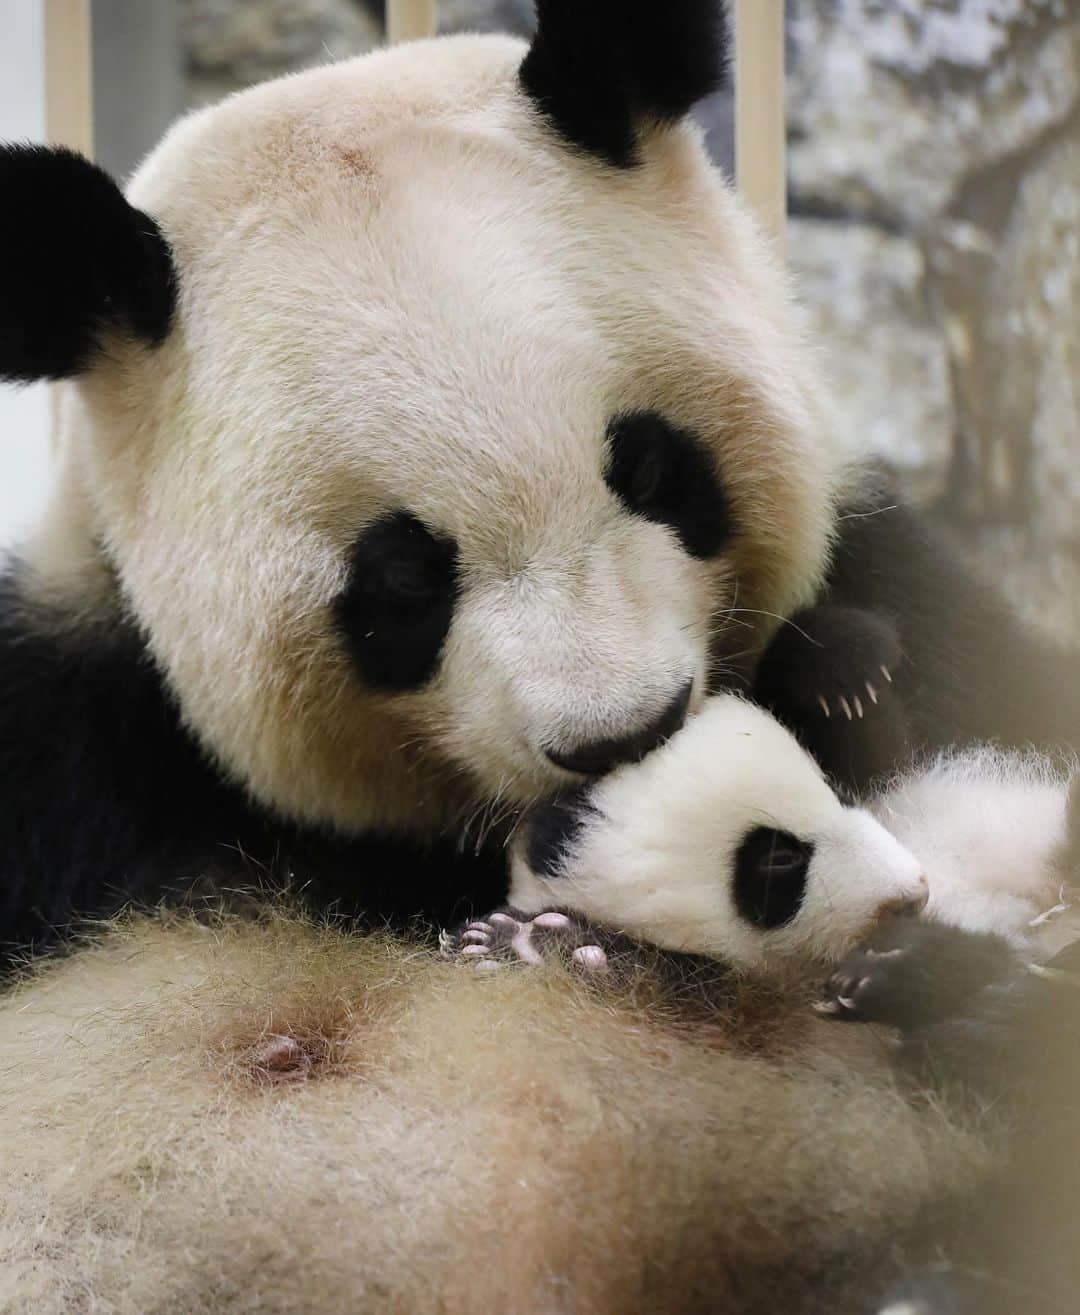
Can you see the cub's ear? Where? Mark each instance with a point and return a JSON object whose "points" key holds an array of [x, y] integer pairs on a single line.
{"points": [[600, 69], [74, 257]]}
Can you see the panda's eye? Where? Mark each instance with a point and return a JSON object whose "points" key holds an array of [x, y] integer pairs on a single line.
{"points": [[396, 608], [664, 474], [771, 868]]}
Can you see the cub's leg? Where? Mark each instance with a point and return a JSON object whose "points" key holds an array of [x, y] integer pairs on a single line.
{"points": [[914, 973]]}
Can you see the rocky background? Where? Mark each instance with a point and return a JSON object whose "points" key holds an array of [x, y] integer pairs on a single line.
{"points": [[935, 233]]}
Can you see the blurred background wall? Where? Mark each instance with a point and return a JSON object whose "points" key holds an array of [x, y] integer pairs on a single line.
{"points": [[935, 225]]}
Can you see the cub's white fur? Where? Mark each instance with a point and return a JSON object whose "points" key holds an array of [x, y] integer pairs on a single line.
{"points": [[991, 828]]}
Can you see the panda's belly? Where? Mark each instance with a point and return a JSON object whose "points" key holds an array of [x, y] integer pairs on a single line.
{"points": [[276, 1118]]}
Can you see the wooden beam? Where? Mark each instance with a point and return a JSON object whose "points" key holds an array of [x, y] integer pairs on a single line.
{"points": [[760, 119], [409, 20], [69, 92]]}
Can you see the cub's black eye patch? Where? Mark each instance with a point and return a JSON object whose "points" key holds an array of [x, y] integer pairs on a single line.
{"points": [[771, 868], [665, 475], [396, 609], [552, 829]]}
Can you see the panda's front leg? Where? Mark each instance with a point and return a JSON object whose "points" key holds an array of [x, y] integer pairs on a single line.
{"points": [[509, 936], [829, 675]]}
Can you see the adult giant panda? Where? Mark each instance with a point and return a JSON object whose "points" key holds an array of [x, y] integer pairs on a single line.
{"points": [[436, 430], [430, 416]]}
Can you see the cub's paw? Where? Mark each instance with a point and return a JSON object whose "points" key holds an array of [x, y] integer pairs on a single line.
{"points": [[915, 973], [509, 936], [834, 662]]}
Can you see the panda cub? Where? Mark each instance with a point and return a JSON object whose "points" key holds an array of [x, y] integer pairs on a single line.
{"points": [[728, 842]]}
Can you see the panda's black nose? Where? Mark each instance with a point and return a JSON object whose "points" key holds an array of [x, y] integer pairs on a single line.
{"points": [[600, 756]]}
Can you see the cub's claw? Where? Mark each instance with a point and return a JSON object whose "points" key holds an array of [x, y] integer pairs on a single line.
{"points": [[914, 973]]}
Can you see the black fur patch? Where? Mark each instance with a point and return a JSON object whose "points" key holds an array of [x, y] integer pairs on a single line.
{"points": [[553, 828], [106, 799], [973, 670], [770, 877], [76, 256], [664, 474], [829, 675], [913, 973], [598, 69], [397, 607]]}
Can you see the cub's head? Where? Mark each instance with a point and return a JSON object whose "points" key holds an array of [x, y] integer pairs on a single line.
{"points": [[727, 841], [437, 415]]}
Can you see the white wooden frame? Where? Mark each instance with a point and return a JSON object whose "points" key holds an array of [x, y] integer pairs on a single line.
{"points": [[409, 20], [69, 98], [760, 119]]}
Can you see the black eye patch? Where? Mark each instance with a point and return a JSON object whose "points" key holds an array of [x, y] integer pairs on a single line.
{"points": [[771, 868], [664, 474], [553, 828], [395, 611]]}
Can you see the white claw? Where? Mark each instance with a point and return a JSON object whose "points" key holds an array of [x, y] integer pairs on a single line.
{"points": [[846, 1002], [885, 673], [846, 706], [827, 1007], [824, 705], [872, 692], [551, 920], [591, 957], [858, 705]]}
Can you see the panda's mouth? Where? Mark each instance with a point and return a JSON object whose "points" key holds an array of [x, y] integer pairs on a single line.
{"points": [[547, 833]]}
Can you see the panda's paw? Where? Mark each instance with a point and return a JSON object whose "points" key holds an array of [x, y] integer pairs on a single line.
{"points": [[831, 662], [914, 973], [508, 936]]}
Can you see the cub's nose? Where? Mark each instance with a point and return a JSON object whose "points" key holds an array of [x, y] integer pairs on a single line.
{"points": [[597, 757]]}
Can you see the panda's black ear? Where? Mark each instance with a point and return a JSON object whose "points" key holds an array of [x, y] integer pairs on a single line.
{"points": [[599, 69], [74, 257]]}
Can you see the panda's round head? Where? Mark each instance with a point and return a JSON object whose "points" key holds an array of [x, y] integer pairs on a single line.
{"points": [[727, 842], [437, 414]]}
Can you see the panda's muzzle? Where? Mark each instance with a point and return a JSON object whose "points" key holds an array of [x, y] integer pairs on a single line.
{"points": [[597, 757]]}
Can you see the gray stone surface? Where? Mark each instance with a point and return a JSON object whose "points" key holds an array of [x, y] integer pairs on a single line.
{"points": [[894, 103], [1030, 362], [884, 348]]}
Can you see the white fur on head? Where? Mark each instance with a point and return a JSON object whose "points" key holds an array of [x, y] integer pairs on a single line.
{"points": [[399, 290], [656, 853]]}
